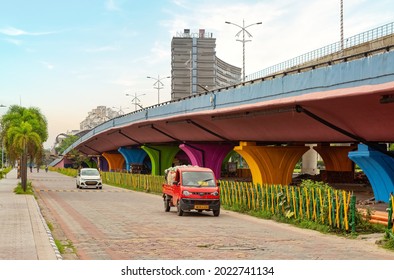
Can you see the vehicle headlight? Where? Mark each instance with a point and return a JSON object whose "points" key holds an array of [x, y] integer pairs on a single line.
{"points": [[187, 193], [215, 193]]}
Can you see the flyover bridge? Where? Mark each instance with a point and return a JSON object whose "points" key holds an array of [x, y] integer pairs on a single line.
{"points": [[268, 121]]}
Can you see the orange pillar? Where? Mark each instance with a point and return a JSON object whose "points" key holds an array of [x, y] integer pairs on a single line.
{"points": [[336, 157], [271, 164], [115, 161]]}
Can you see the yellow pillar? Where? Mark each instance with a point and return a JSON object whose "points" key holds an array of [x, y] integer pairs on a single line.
{"points": [[336, 157], [271, 164], [115, 161]]}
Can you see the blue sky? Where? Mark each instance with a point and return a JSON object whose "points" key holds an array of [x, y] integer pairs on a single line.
{"points": [[68, 57]]}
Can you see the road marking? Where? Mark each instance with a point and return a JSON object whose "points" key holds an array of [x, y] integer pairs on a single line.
{"points": [[87, 190]]}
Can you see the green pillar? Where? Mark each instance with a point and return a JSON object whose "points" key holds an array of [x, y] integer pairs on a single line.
{"points": [[161, 157]]}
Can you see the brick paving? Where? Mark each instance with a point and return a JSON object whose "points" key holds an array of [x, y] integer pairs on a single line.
{"points": [[119, 224]]}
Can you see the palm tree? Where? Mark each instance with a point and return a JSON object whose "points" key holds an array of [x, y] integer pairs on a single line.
{"points": [[24, 131], [23, 141]]}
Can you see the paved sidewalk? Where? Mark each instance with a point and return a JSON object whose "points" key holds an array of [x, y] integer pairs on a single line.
{"points": [[24, 234]]}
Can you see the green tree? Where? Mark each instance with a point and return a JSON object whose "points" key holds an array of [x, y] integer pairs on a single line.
{"points": [[24, 130], [65, 143], [23, 140]]}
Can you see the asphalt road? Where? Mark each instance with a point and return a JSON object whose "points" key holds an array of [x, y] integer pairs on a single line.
{"points": [[118, 224]]}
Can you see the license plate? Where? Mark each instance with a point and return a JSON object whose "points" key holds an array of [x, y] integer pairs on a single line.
{"points": [[201, 207]]}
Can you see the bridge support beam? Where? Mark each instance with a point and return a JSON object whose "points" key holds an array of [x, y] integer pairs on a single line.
{"points": [[271, 164], [207, 155], [115, 161], [132, 156], [379, 169], [161, 157]]}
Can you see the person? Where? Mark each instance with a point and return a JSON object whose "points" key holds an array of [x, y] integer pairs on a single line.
{"points": [[46, 168]]}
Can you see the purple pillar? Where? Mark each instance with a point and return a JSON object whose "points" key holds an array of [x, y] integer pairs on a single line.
{"points": [[207, 155]]}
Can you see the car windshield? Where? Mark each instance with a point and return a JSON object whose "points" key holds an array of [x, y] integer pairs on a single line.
{"points": [[198, 179], [90, 172]]}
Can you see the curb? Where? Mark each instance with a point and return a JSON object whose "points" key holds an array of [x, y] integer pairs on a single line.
{"points": [[49, 233]]}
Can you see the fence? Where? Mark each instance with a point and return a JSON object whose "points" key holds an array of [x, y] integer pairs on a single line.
{"points": [[138, 182], [358, 39], [323, 205], [390, 225]]}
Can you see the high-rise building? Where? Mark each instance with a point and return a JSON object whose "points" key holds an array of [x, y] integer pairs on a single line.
{"points": [[195, 67], [98, 116]]}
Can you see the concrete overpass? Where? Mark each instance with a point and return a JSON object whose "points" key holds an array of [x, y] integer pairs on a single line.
{"points": [[268, 121]]}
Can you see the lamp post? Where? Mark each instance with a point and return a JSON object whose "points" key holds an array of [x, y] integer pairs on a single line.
{"points": [[243, 30], [159, 85], [341, 24], [2, 145], [136, 101]]}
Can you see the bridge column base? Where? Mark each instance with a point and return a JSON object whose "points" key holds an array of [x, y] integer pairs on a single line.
{"points": [[379, 169], [161, 157], [339, 168], [207, 155], [271, 164], [115, 161], [132, 156]]}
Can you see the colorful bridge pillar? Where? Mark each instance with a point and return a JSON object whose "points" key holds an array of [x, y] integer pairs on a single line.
{"points": [[207, 155], [379, 169], [161, 157], [271, 164], [115, 161], [336, 157], [132, 156]]}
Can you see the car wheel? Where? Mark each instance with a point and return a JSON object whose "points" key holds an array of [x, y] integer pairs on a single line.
{"points": [[77, 186], [178, 209], [216, 212], [166, 205]]}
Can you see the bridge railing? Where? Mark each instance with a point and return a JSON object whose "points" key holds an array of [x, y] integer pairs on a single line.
{"points": [[355, 40]]}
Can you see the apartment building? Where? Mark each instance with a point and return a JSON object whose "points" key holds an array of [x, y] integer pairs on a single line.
{"points": [[195, 68]]}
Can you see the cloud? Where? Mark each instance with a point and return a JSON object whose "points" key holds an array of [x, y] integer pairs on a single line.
{"points": [[48, 65], [111, 5], [11, 31], [14, 41]]}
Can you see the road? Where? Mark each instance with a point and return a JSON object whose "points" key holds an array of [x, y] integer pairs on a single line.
{"points": [[118, 224]]}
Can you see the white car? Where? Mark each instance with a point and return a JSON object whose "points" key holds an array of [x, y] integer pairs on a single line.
{"points": [[89, 178]]}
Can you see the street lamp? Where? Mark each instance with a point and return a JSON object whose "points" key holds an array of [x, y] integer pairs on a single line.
{"points": [[136, 101], [243, 30], [159, 85], [120, 110]]}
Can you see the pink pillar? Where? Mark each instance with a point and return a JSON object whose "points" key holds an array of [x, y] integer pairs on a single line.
{"points": [[207, 155]]}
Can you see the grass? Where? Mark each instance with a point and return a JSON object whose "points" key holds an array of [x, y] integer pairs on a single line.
{"points": [[29, 189]]}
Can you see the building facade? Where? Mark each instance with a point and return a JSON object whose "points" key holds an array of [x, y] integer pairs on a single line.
{"points": [[98, 116], [194, 66]]}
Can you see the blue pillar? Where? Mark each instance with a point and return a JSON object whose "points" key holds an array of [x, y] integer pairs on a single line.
{"points": [[132, 156], [379, 169]]}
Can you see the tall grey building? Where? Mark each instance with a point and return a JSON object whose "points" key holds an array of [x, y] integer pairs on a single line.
{"points": [[195, 67]]}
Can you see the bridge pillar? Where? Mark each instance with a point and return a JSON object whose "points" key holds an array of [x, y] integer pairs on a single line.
{"points": [[271, 164], [132, 156], [115, 161], [161, 157], [336, 157], [207, 155], [379, 169]]}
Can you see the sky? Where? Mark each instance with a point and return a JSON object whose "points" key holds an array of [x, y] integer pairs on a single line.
{"points": [[68, 57]]}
